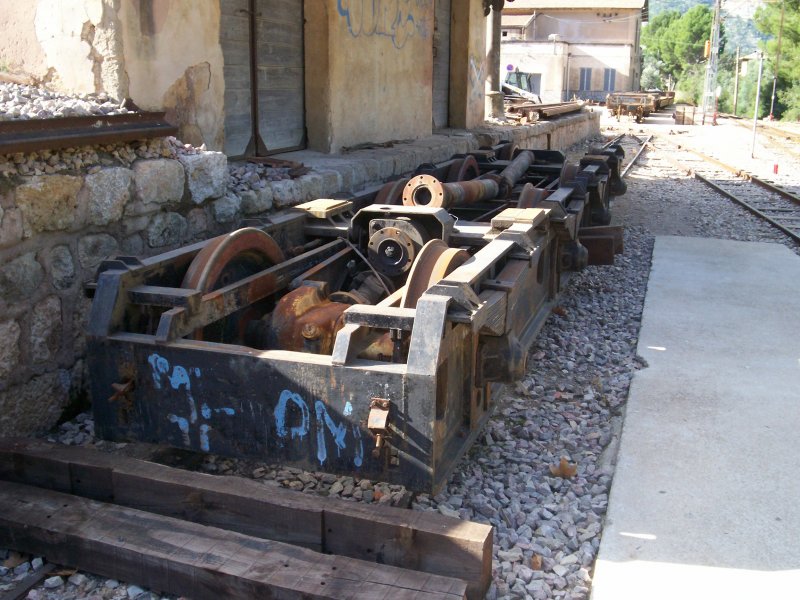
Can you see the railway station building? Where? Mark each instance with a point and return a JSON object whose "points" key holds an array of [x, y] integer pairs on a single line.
{"points": [[582, 49]]}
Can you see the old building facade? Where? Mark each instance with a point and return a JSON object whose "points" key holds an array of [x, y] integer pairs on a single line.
{"points": [[583, 48], [263, 76]]}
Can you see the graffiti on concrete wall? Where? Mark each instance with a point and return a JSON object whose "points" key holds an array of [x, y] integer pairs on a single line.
{"points": [[477, 77], [399, 20]]}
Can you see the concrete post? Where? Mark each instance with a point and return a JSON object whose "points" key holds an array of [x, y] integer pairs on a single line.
{"points": [[494, 97]]}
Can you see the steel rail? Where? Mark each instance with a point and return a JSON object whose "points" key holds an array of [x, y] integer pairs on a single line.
{"points": [[636, 156], [616, 140], [745, 175], [54, 134], [752, 209], [730, 196]]}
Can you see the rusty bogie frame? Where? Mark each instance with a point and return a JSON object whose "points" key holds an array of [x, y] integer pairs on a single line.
{"points": [[638, 105], [373, 348]]}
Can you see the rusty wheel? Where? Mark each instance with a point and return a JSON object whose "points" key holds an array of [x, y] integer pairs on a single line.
{"points": [[531, 196], [463, 169], [568, 173], [392, 192], [225, 260], [435, 261], [507, 151]]}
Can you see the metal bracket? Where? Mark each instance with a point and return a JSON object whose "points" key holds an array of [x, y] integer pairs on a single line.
{"points": [[378, 422]]}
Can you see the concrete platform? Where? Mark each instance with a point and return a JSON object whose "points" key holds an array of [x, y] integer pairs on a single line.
{"points": [[705, 502]]}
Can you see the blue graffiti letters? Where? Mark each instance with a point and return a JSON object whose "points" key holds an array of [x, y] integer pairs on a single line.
{"points": [[338, 431], [324, 425], [398, 20], [181, 378], [280, 415]]}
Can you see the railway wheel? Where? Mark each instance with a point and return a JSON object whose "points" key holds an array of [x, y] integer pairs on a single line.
{"points": [[392, 192], [435, 261], [225, 260], [463, 169]]}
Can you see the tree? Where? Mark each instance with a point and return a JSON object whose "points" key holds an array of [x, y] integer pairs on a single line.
{"points": [[676, 40], [656, 42], [768, 21]]}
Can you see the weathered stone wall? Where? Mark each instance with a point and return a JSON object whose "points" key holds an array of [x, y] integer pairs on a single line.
{"points": [[163, 54], [56, 228]]}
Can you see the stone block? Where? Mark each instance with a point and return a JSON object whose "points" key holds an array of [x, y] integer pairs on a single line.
{"points": [[108, 191], [166, 229], [197, 221], [206, 175], [34, 406], [11, 230], [226, 209], [133, 245], [135, 224], [95, 248], [311, 187], [285, 193], [46, 329], [49, 202], [254, 202], [159, 181], [62, 267], [20, 278], [9, 349], [331, 182]]}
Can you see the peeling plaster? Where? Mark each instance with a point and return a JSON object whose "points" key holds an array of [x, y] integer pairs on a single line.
{"points": [[82, 45]]}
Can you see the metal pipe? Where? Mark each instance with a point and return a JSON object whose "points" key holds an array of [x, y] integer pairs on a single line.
{"points": [[426, 190], [514, 171]]}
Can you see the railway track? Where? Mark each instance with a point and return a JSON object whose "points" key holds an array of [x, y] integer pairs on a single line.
{"points": [[787, 141], [768, 201]]}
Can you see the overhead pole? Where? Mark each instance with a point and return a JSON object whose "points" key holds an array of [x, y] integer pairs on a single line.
{"points": [[709, 90], [777, 62], [736, 82]]}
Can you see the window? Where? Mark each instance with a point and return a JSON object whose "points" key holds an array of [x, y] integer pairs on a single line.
{"points": [[586, 80], [608, 80], [530, 82]]}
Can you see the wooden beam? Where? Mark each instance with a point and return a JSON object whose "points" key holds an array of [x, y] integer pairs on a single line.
{"points": [[427, 542], [183, 558]]}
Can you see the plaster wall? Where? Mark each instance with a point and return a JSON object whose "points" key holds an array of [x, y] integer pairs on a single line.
{"points": [[550, 60], [174, 62], [557, 62], [20, 52], [163, 54], [611, 26], [598, 58], [73, 47], [369, 71], [468, 64]]}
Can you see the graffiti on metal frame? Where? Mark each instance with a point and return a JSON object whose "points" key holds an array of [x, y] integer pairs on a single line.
{"points": [[197, 419], [323, 423], [194, 420], [398, 20]]}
